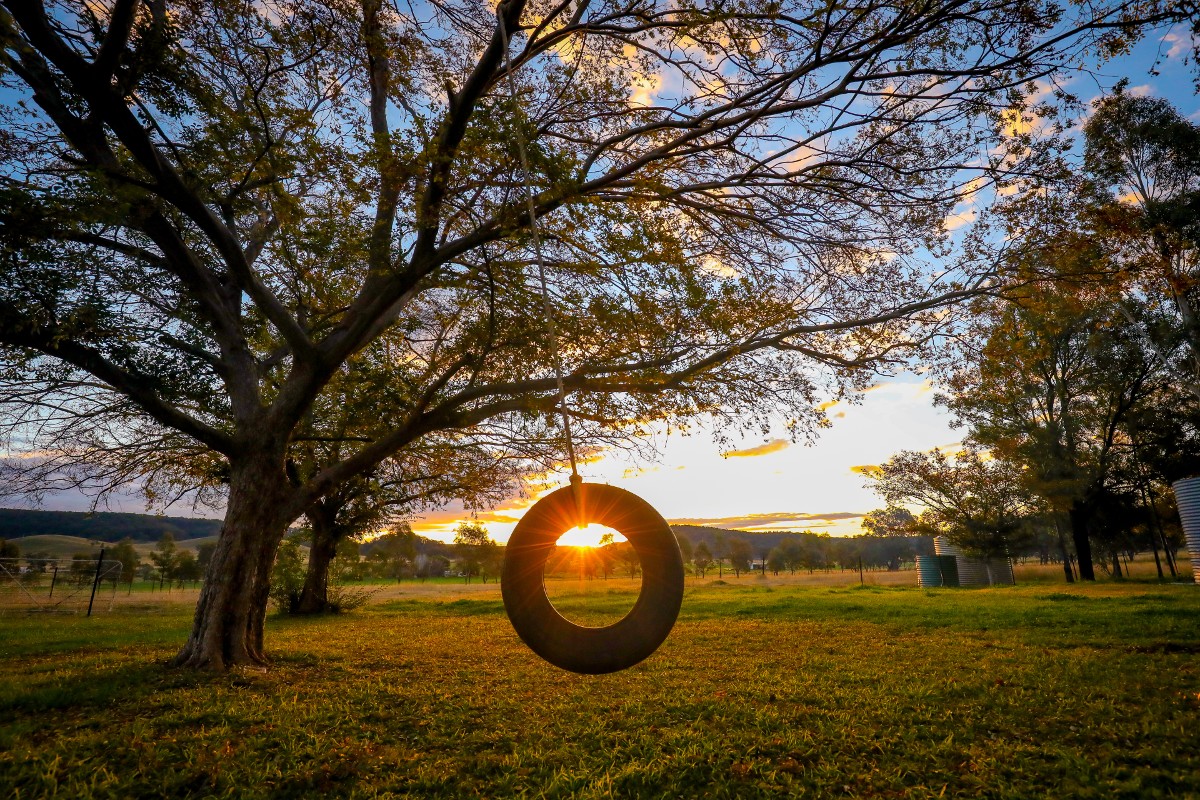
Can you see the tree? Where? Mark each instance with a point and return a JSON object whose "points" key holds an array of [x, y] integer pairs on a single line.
{"points": [[212, 210], [187, 568], [165, 557], [83, 568], [793, 554], [776, 561], [975, 501], [720, 553], [1144, 158], [685, 548], [204, 554], [702, 558], [739, 555], [1051, 384], [9, 549], [127, 554], [890, 521], [394, 551], [477, 552]]}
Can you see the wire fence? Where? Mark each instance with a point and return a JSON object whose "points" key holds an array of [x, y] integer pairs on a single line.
{"points": [[74, 585]]}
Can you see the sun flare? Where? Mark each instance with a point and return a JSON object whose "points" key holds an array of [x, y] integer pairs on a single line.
{"points": [[589, 536]]}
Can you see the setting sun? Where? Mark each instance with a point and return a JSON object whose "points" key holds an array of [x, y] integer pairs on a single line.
{"points": [[589, 536]]}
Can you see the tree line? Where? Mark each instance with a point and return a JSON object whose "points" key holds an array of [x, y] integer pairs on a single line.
{"points": [[105, 526], [1078, 386]]}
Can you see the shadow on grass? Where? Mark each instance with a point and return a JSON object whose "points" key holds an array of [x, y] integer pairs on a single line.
{"points": [[103, 687]]}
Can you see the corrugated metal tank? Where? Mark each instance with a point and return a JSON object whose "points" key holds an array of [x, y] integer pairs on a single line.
{"points": [[976, 571], [1187, 496], [929, 571]]}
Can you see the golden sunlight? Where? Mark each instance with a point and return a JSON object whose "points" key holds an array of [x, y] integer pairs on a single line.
{"points": [[589, 536]]}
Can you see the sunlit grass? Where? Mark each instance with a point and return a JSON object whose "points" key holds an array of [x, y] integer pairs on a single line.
{"points": [[762, 690]]}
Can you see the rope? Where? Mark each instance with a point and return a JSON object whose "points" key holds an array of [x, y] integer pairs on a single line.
{"points": [[541, 264]]}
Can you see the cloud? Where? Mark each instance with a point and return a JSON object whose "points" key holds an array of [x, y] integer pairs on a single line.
{"points": [[715, 267], [1180, 45], [865, 469], [1013, 122], [954, 221], [770, 521], [773, 446]]}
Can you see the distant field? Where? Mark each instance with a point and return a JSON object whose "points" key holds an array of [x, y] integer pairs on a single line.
{"points": [[67, 546], [765, 689], [56, 546]]}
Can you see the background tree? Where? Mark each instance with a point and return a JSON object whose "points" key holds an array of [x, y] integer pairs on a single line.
{"points": [[164, 557], [606, 555], [187, 568], [975, 501], [127, 554], [720, 551], [212, 209], [685, 548], [890, 521], [1144, 159], [204, 554], [1048, 381], [702, 558], [477, 552], [628, 557], [394, 552], [83, 568], [740, 554]]}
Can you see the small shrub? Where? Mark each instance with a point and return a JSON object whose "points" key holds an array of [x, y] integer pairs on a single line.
{"points": [[287, 576]]}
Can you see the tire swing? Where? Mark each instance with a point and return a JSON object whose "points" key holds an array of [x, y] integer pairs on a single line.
{"points": [[592, 651], [577, 648]]}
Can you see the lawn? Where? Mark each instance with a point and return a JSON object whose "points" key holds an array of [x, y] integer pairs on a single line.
{"points": [[762, 690]]}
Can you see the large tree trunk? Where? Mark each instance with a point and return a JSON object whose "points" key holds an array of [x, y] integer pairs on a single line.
{"points": [[228, 627], [1083, 545], [314, 597]]}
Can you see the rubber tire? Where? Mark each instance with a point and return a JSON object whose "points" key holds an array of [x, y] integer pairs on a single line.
{"points": [[592, 651]]}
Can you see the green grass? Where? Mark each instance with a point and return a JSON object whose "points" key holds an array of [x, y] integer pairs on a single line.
{"points": [[1033, 691]]}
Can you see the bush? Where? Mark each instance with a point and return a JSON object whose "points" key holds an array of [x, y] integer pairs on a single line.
{"points": [[347, 598], [287, 576]]}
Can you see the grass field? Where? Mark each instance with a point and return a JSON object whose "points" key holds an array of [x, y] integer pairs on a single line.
{"points": [[764, 689]]}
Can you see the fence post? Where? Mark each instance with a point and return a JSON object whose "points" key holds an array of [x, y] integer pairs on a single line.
{"points": [[96, 581], [53, 580]]}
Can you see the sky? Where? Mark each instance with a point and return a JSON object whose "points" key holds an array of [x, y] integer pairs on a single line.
{"points": [[767, 482]]}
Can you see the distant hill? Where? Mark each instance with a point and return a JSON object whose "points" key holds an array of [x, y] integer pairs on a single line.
{"points": [[54, 546], [103, 526], [695, 534]]}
